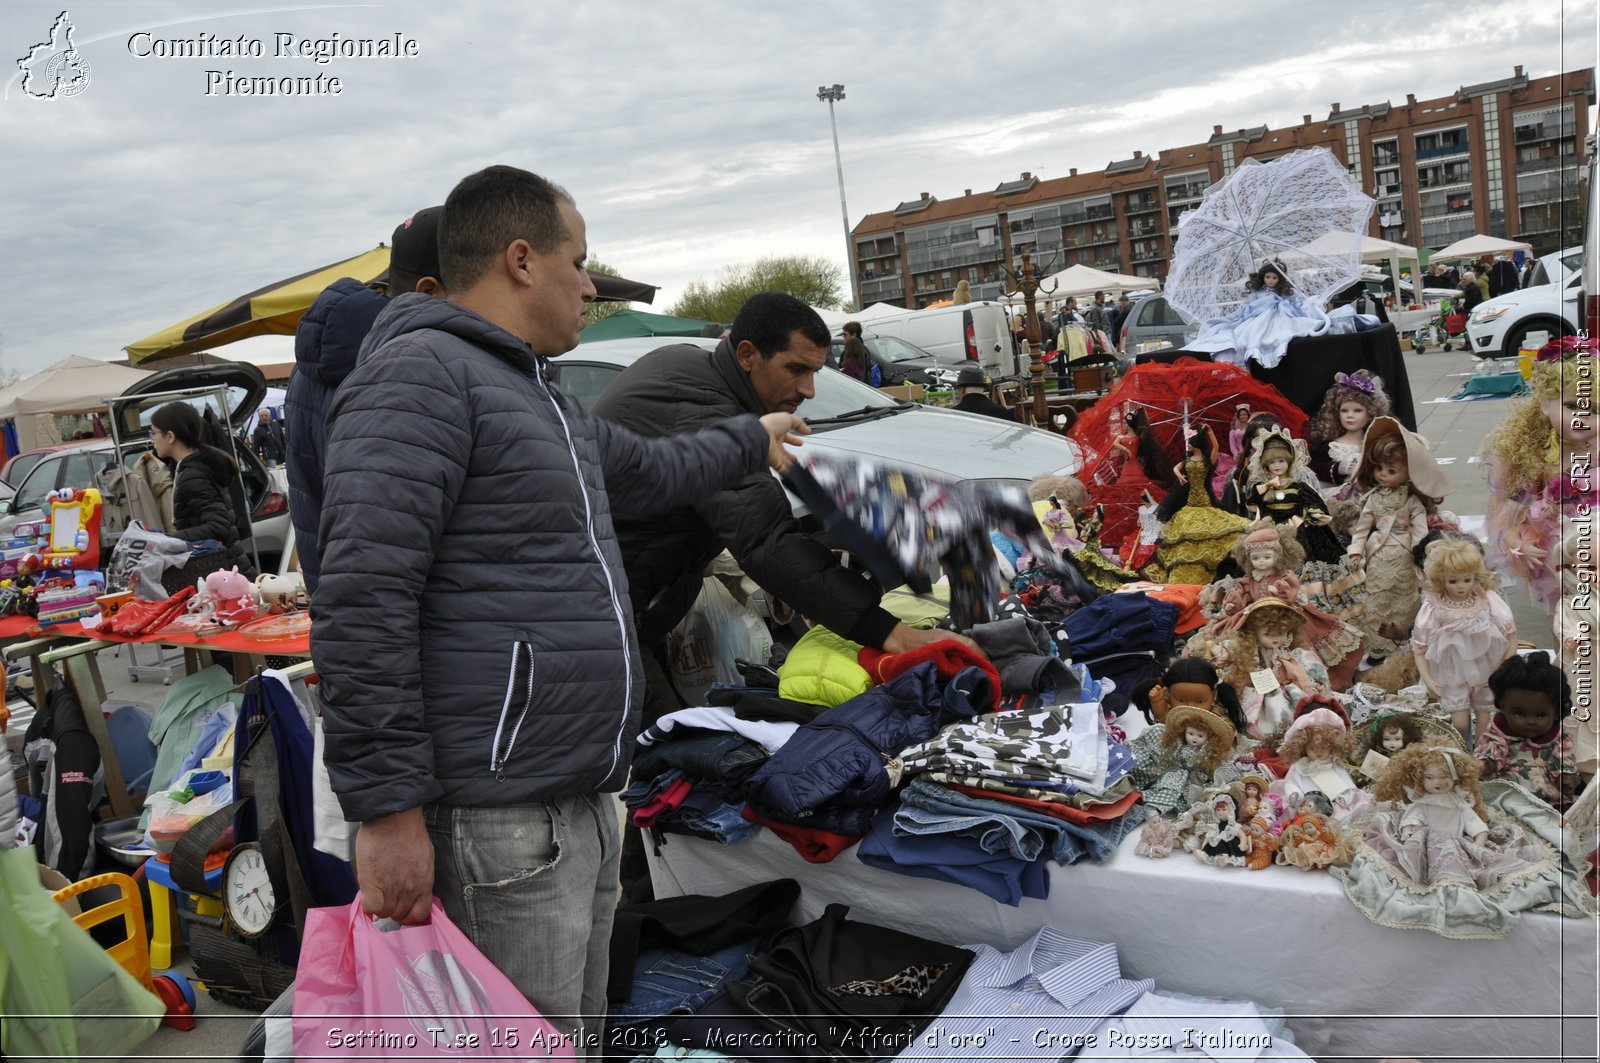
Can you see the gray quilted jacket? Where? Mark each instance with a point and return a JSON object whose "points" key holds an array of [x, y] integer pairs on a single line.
{"points": [[471, 626]]}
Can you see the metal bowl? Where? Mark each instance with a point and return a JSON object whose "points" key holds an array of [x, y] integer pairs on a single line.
{"points": [[122, 841]]}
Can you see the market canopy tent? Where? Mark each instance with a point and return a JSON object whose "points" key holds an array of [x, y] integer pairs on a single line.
{"points": [[1081, 281], [836, 318], [276, 309], [626, 323], [1480, 245], [74, 385], [1373, 250]]}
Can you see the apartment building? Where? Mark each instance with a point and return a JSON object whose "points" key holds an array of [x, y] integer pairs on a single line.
{"points": [[1501, 157]]}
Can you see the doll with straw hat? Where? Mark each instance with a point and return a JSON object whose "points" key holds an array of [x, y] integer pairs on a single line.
{"points": [[1194, 745]]}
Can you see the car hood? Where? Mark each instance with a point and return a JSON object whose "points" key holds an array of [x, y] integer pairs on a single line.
{"points": [[950, 444], [1549, 294]]}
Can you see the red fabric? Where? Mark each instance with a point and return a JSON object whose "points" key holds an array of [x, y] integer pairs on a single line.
{"points": [[667, 800], [142, 618], [815, 846], [233, 642], [15, 626], [948, 655], [1072, 814]]}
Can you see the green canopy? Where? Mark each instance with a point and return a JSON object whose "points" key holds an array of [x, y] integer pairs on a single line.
{"points": [[626, 323]]}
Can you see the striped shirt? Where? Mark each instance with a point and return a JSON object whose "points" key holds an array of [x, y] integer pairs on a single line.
{"points": [[1163, 1027], [1044, 1000]]}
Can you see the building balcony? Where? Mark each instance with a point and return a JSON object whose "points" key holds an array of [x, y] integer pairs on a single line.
{"points": [[1099, 213], [1136, 231], [1435, 213], [1109, 237], [1443, 152], [1140, 206], [882, 288], [1387, 159], [1540, 196], [1539, 134], [1106, 263], [1140, 257], [1548, 162], [1186, 194]]}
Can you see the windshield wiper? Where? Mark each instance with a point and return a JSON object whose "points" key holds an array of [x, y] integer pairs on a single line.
{"points": [[866, 413]]}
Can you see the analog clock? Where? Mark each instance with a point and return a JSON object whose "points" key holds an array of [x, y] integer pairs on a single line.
{"points": [[247, 891]]}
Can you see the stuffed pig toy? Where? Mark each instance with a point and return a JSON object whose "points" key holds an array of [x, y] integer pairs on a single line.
{"points": [[232, 596]]}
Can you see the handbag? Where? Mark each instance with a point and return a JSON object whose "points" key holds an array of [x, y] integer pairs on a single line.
{"points": [[418, 992]]}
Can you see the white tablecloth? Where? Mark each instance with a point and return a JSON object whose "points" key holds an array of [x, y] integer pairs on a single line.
{"points": [[1281, 937]]}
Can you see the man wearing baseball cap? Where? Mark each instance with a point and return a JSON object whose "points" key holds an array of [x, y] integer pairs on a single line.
{"points": [[326, 346]]}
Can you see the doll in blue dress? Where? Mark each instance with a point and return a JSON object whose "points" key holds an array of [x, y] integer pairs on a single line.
{"points": [[1260, 328]]}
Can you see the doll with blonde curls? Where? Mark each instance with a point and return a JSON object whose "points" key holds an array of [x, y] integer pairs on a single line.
{"points": [[1540, 464], [1462, 633], [1176, 760], [1436, 844], [1317, 747]]}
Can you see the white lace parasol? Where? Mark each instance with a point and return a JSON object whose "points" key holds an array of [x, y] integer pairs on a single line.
{"points": [[1302, 210]]}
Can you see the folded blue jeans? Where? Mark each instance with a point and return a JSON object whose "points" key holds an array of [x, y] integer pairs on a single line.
{"points": [[1069, 842], [709, 814], [997, 875]]}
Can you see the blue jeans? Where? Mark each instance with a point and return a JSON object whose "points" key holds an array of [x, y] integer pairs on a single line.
{"points": [[535, 887], [1069, 842], [668, 982], [710, 815]]}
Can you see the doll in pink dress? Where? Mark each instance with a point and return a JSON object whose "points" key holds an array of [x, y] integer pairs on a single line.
{"points": [[1526, 740], [1269, 555], [1463, 631]]}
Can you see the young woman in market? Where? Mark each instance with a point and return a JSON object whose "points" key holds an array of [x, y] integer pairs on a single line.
{"points": [[204, 483]]}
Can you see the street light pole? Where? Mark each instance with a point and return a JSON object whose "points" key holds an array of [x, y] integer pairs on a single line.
{"points": [[832, 93]]}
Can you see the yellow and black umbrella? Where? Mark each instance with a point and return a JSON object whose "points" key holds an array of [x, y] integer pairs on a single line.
{"points": [[276, 309]]}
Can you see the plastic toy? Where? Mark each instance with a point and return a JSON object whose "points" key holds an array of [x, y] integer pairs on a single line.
{"points": [[133, 953], [232, 596], [72, 538]]}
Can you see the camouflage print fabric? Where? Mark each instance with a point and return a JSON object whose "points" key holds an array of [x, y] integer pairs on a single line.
{"points": [[1060, 743], [1110, 796]]}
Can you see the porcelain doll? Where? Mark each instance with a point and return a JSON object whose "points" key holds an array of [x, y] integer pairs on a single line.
{"points": [[1260, 328], [1136, 464], [1526, 740], [1269, 555], [1577, 636], [1262, 812], [1316, 747], [1402, 485], [1229, 459], [1175, 761], [1435, 837], [1196, 534], [1278, 490], [1311, 842], [1335, 434], [1268, 666], [1462, 633], [1213, 831], [1386, 734], [1540, 463]]}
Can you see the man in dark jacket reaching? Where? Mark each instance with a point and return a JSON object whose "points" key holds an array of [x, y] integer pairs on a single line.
{"points": [[325, 347], [480, 676]]}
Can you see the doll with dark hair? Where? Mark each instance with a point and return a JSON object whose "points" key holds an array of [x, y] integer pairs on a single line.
{"points": [[1213, 830], [1259, 328], [1187, 681], [1525, 740], [1196, 534], [1232, 497], [1140, 466], [1279, 491], [1335, 434]]}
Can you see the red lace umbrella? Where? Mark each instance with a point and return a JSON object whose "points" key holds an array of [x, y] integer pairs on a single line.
{"points": [[1178, 398]]}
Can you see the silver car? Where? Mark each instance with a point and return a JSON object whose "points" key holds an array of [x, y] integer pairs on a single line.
{"points": [[848, 417], [1153, 318]]}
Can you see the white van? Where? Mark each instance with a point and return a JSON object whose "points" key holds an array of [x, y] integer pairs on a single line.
{"points": [[953, 334]]}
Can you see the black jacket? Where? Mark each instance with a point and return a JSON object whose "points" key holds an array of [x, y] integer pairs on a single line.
{"points": [[683, 387], [204, 495], [325, 347], [980, 403], [267, 439], [471, 627]]}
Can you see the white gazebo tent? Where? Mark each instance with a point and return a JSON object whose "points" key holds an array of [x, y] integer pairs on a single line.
{"points": [[1083, 281], [836, 318], [1374, 251], [1480, 245], [74, 385]]}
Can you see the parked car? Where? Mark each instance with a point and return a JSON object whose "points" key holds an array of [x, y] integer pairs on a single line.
{"points": [[979, 331], [848, 417], [1497, 327], [1153, 318], [904, 362], [1557, 268], [77, 464]]}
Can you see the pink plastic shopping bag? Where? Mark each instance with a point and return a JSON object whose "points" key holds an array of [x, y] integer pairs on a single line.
{"points": [[419, 992]]}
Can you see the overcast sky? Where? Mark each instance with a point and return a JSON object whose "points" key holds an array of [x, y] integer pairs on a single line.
{"points": [[688, 130]]}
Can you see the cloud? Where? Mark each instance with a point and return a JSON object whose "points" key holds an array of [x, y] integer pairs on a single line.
{"points": [[689, 133]]}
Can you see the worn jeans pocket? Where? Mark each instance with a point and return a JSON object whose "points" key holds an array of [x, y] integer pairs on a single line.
{"points": [[505, 846]]}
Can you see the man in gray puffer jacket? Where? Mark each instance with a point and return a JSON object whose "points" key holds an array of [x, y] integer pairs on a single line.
{"points": [[480, 674]]}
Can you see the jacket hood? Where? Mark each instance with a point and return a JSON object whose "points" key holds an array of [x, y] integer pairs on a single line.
{"points": [[415, 312], [329, 336]]}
